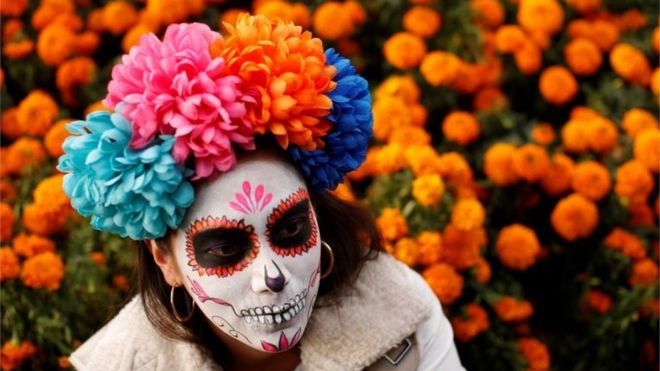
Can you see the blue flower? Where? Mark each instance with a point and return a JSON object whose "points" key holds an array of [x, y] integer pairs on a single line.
{"points": [[134, 193], [346, 143]]}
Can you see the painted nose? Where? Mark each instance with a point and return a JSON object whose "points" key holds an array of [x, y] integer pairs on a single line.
{"points": [[275, 281]]}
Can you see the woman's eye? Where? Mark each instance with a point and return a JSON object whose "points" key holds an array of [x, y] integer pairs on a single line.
{"points": [[223, 251], [290, 230]]}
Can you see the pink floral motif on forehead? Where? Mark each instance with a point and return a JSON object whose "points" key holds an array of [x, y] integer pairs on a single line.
{"points": [[247, 202]]}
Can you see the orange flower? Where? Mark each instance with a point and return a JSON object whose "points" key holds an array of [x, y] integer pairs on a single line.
{"points": [[440, 68], [468, 214], [498, 164], [9, 264], [287, 68], [598, 301], [400, 86], [18, 49], [13, 355], [406, 251], [344, 192], [422, 21], [488, 13], [531, 162], [634, 182], [36, 113], [640, 214], [627, 243], [543, 133], [461, 127], [592, 180], [637, 120], [602, 134], [73, 73], [429, 245], [173, 11], [404, 50], [655, 39], [120, 281], [489, 97], [132, 37], [390, 113], [51, 207], [631, 64], [55, 44], [63, 362], [389, 159], [528, 58], [422, 159], [509, 38], [584, 6], [13, 8], [647, 149], [461, 248], [644, 273], [230, 16], [55, 138], [277, 9], [557, 85], [583, 57], [22, 154], [7, 225], [535, 353], [574, 217], [631, 20], [517, 247], [483, 271], [428, 190], [11, 28], [454, 169], [544, 16], [332, 21], [575, 136], [445, 282], [391, 224], [29, 245], [510, 309], [472, 324], [355, 10], [87, 42], [7, 192], [49, 10], [98, 258], [44, 270], [559, 176], [407, 136]]}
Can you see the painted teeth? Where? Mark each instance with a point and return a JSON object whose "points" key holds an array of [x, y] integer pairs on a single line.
{"points": [[275, 314]]}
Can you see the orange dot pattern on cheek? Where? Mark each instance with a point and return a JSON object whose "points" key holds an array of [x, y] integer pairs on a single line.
{"points": [[211, 223], [284, 205]]}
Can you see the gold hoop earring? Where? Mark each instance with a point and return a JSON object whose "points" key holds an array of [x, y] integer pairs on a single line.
{"points": [[174, 311], [331, 264]]}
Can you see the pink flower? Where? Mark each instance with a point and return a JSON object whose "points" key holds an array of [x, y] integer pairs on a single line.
{"points": [[175, 87]]}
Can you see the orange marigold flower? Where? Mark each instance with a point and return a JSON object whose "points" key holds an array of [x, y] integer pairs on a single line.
{"points": [[545, 16], [72, 74], [18, 49], [461, 127], [637, 120], [29, 245], [64, 362], [543, 133], [9, 264], [422, 21], [13, 355], [287, 67], [429, 245], [640, 214], [489, 97], [634, 182], [583, 57], [356, 11], [7, 192], [87, 42], [575, 136], [344, 192], [592, 180], [598, 301], [517, 247], [10, 126], [631, 64], [602, 134], [120, 281], [631, 20], [604, 34], [390, 112], [55, 44], [440, 68], [647, 149], [98, 258], [509, 38], [584, 6], [275, 9], [488, 13], [528, 58], [655, 39], [51, 207], [173, 11], [404, 50], [23, 153], [498, 164], [468, 214], [482, 271], [574, 217], [535, 353], [49, 10], [406, 251], [332, 21], [454, 169], [410, 136], [644, 273], [510, 309], [445, 282], [559, 176], [422, 159], [44, 270], [68, 20], [428, 190], [461, 248], [557, 85], [627, 243], [55, 137], [400, 86], [11, 28], [36, 113], [13, 8], [390, 159], [531, 162], [392, 224], [472, 324], [468, 77]]}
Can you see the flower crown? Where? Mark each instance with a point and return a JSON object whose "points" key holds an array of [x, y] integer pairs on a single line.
{"points": [[184, 104]]}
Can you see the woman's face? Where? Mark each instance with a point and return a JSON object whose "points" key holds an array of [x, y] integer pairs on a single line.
{"points": [[249, 253]]}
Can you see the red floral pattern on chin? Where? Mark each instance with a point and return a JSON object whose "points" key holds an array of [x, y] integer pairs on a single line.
{"points": [[284, 343]]}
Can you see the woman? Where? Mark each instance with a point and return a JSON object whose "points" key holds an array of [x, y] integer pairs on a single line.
{"points": [[255, 266]]}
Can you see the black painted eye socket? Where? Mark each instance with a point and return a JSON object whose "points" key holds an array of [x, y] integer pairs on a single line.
{"points": [[221, 246], [294, 228]]}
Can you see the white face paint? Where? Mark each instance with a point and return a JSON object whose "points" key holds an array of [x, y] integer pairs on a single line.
{"points": [[249, 253]]}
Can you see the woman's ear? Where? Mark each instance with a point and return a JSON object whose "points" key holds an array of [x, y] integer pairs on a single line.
{"points": [[166, 263]]}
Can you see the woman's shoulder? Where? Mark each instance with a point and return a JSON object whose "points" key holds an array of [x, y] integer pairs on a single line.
{"points": [[130, 342]]}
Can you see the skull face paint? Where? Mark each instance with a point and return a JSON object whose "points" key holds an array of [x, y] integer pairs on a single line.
{"points": [[250, 251]]}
